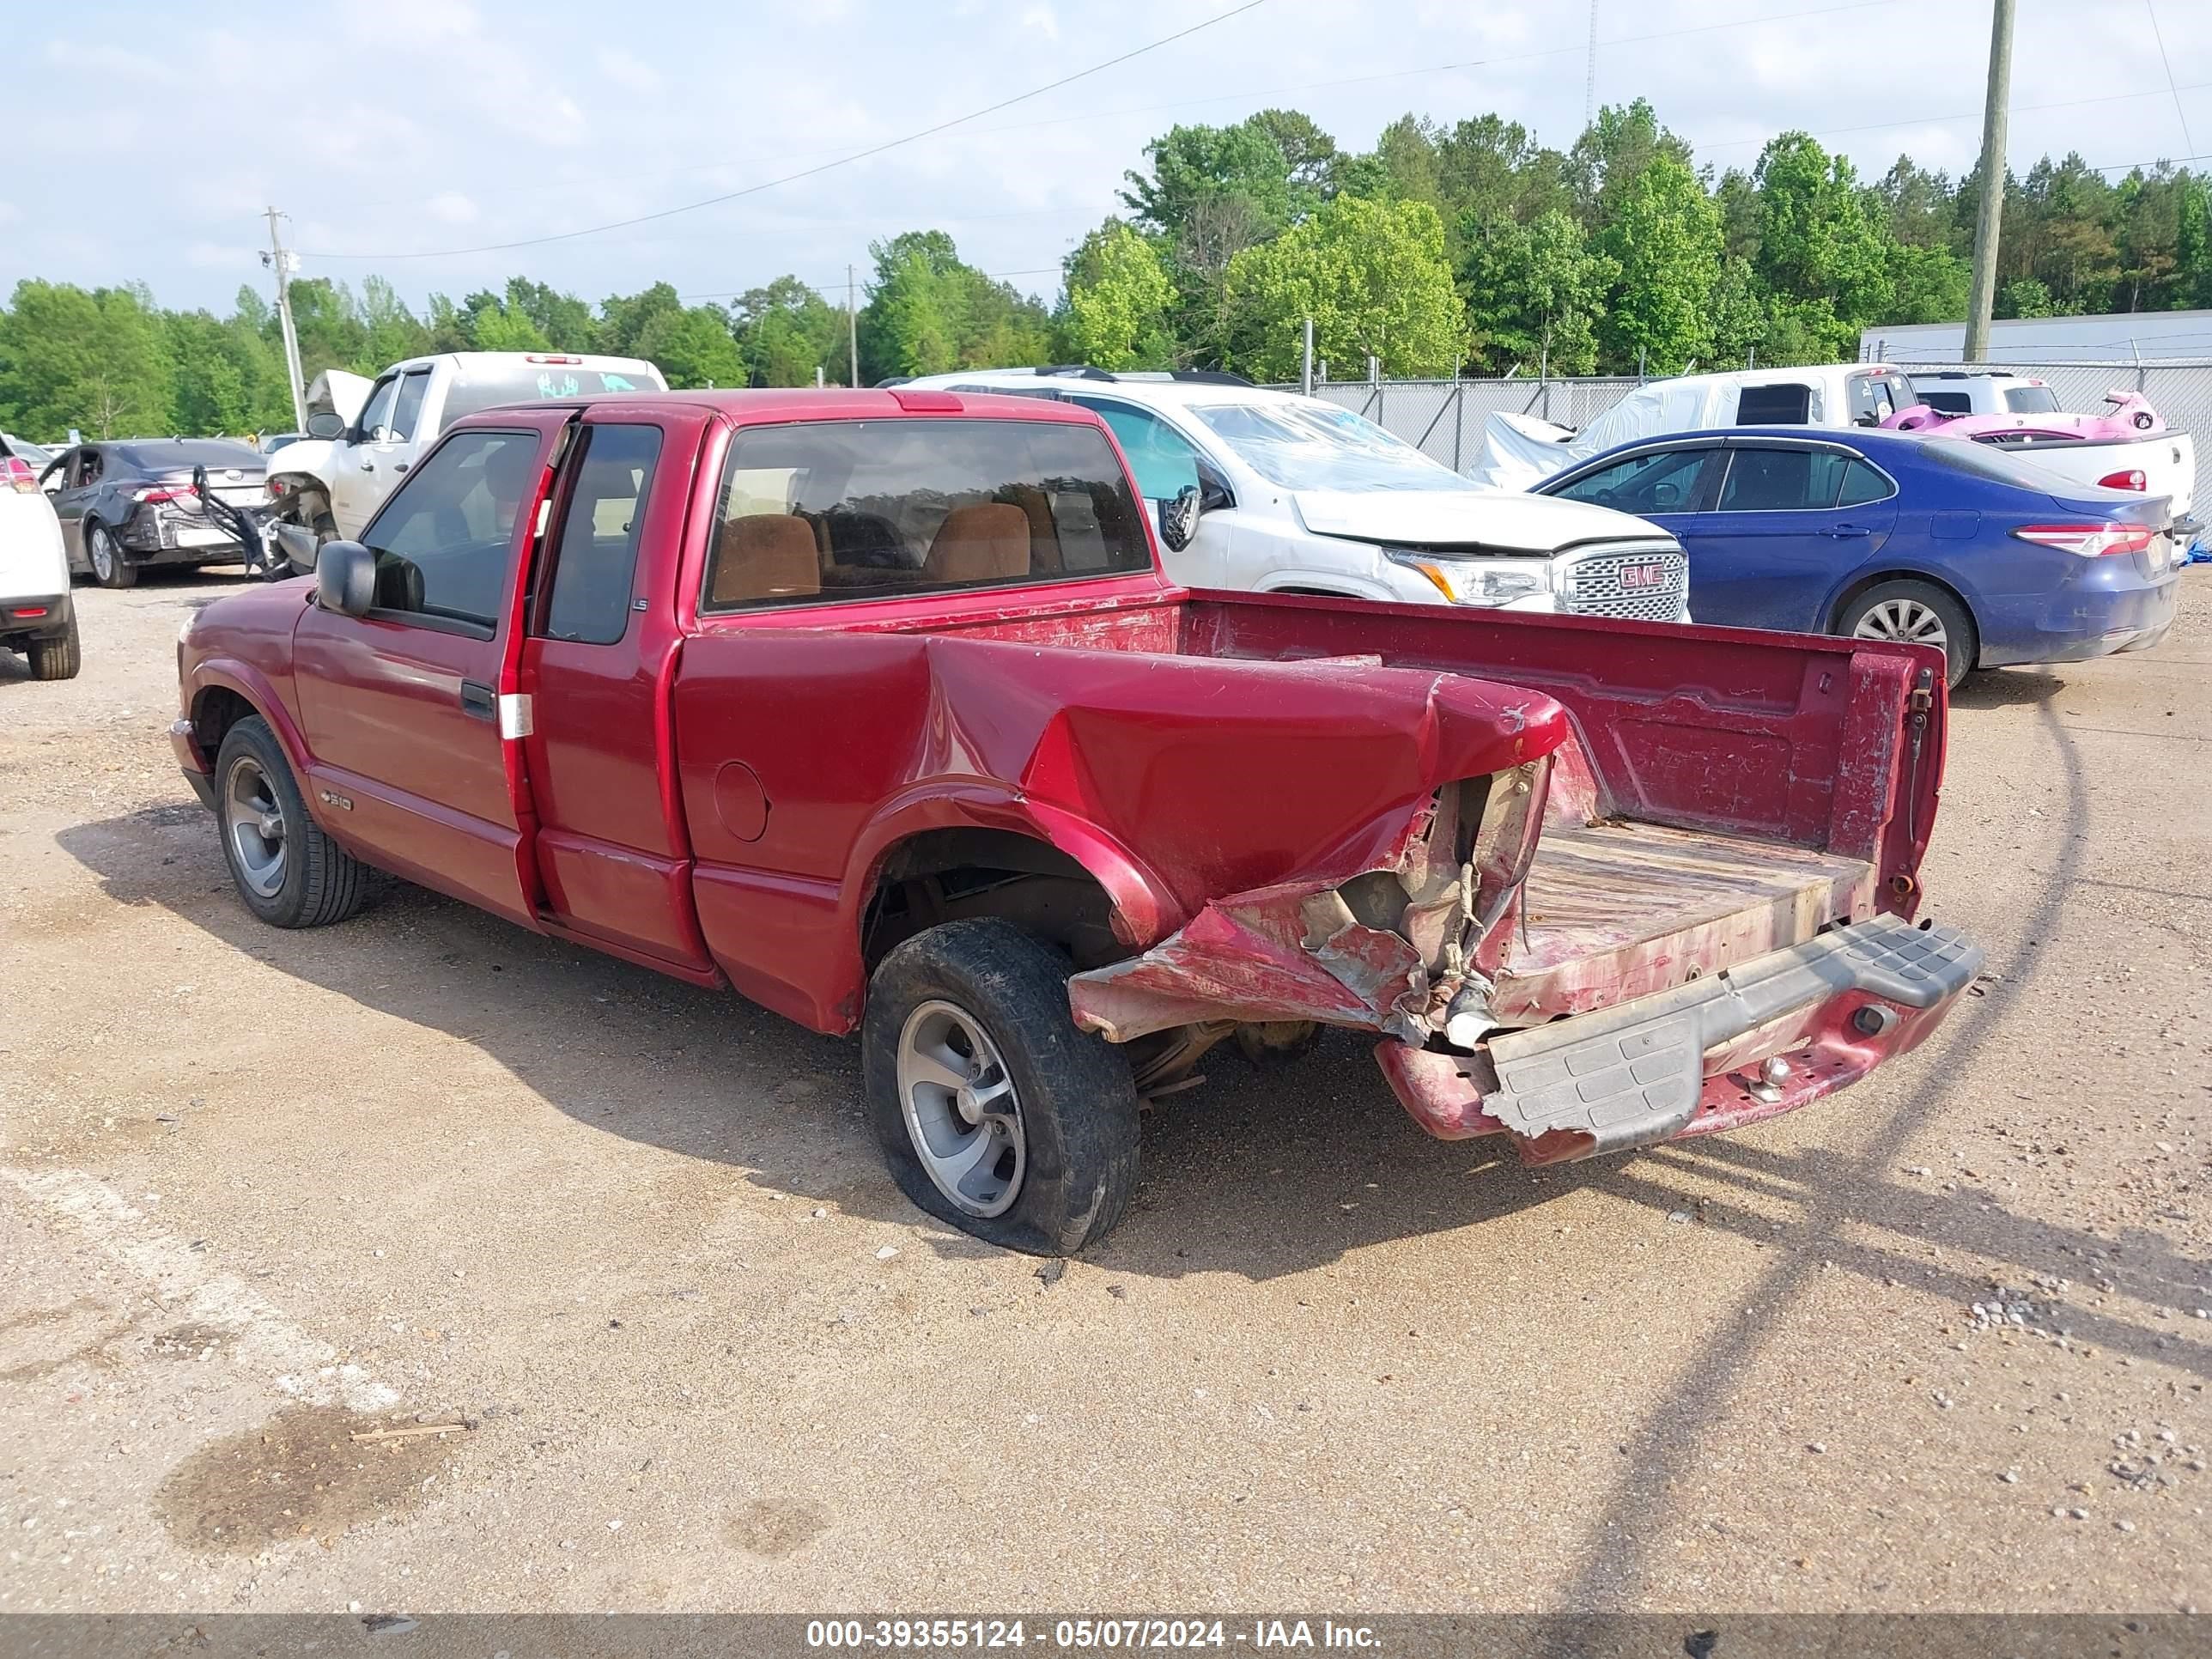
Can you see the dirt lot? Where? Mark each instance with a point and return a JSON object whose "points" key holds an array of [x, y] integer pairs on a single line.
{"points": [[259, 1191]]}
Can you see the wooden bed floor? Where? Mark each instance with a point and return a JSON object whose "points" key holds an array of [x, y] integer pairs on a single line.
{"points": [[1597, 888]]}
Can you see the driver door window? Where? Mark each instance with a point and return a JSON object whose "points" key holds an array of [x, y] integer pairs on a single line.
{"points": [[443, 542], [1164, 461], [374, 426], [1656, 482], [407, 408]]}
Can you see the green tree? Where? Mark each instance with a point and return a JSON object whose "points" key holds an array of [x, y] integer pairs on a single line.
{"points": [[1195, 167], [785, 330], [928, 311], [1533, 294], [1118, 300], [1926, 285], [1613, 153], [693, 347], [96, 362], [565, 321], [1738, 310], [2025, 296], [328, 322], [1666, 243], [1373, 276], [1819, 243], [625, 318], [392, 332]]}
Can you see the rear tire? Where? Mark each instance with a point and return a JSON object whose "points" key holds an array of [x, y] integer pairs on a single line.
{"points": [[1915, 613], [289, 873], [109, 568], [1039, 1136], [56, 660]]}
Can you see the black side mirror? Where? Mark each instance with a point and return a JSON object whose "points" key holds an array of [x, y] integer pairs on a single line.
{"points": [[345, 579], [1213, 495], [326, 424], [1179, 518]]}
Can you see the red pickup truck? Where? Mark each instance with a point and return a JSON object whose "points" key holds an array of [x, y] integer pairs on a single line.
{"points": [[876, 707]]}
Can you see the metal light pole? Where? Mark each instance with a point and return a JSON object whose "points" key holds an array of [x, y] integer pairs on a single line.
{"points": [[282, 263], [1305, 372], [1986, 221]]}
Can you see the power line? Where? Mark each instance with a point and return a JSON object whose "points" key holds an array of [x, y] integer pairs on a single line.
{"points": [[1092, 116], [731, 293], [2159, 35], [792, 178], [1940, 120]]}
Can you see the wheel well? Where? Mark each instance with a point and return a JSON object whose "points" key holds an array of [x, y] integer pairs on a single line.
{"points": [[1315, 593], [1849, 596], [948, 875], [214, 711]]}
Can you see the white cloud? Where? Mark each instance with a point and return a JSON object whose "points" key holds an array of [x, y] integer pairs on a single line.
{"points": [[450, 207], [627, 71], [1041, 20]]}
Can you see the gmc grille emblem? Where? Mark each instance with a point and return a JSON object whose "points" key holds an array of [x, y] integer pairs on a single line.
{"points": [[1644, 575]]}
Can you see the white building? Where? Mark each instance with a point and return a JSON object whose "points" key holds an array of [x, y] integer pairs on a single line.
{"points": [[2118, 337]]}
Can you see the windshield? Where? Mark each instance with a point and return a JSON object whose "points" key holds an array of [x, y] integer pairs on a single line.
{"points": [[1301, 445], [37, 456], [2031, 400]]}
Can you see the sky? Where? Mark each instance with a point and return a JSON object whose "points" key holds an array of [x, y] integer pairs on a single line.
{"points": [[142, 140]]}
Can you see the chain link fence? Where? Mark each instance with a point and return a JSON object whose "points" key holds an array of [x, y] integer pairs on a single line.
{"points": [[1444, 418]]}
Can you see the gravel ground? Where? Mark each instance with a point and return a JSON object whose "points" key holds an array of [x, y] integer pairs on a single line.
{"points": [[1940, 1342]]}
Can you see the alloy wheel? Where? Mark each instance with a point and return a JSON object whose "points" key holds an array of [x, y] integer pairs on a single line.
{"points": [[254, 824], [961, 1111]]}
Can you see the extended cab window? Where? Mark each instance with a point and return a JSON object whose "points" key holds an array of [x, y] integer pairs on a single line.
{"points": [[442, 542], [1663, 481], [1774, 405], [597, 560], [409, 409], [878, 510]]}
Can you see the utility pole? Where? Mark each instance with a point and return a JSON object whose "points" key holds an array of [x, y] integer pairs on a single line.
{"points": [[853, 328], [1986, 221], [280, 262], [1305, 373]]}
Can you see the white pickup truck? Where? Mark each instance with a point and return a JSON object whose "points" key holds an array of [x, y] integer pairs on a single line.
{"points": [[364, 435]]}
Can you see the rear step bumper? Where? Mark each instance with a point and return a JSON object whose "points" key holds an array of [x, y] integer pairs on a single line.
{"points": [[1745, 1044]]}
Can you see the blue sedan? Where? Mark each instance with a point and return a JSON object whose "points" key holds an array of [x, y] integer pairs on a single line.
{"points": [[1887, 536]]}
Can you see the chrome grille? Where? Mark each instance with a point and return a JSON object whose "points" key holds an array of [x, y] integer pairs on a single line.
{"points": [[1603, 584]]}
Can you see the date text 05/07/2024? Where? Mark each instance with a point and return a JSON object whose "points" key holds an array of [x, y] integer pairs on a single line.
{"points": [[1086, 1635]]}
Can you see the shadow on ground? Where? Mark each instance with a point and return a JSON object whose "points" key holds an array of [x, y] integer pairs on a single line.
{"points": [[1259, 1173]]}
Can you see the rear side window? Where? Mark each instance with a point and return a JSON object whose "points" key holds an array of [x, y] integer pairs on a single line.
{"points": [[443, 541], [1783, 480], [2031, 400], [1774, 405], [1863, 483], [596, 564], [409, 409], [1875, 397], [1948, 402], [878, 509]]}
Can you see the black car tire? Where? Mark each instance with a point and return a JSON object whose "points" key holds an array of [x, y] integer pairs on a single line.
{"points": [[1073, 1096], [1961, 641], [56, 658], [120, 573], [320, 882]]}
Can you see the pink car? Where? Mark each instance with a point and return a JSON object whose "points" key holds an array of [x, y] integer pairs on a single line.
{"points": [[2131, 418]]}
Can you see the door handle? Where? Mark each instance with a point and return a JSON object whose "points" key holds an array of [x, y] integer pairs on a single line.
{"points": [[368, 467], [478, 702], [400, 466], [1843, 530]]}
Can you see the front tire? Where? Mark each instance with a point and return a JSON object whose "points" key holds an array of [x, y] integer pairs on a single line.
{"points": [[56, 660], [109, 568], [289, 873], [995, 1114], [1915, 613]]}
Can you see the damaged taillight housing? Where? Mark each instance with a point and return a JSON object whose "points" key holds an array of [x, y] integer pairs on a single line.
{"points": [[1461, 881]]}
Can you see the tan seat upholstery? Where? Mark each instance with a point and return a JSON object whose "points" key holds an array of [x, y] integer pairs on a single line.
{"points": [[1044, 534], [984, 543], [765, 556]]}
